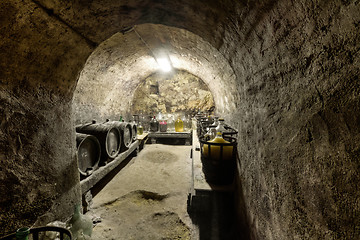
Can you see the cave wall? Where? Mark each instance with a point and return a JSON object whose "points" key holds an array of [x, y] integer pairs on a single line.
{"points": [[297, 66], [40, 58], [177, 92]]}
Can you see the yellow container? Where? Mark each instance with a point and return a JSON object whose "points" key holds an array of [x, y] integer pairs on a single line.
{"points": [[215, 150], [179, 125], [140, 130]]}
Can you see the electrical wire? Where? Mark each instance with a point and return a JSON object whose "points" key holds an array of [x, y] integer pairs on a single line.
{"points": [[144, 42]]}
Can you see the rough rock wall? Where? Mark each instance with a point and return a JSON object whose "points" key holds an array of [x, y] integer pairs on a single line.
{"points": [[297, 66], [40, 59], [98, 20], [177, 92]]}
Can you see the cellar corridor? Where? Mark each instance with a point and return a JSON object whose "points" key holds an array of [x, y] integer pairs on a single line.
{"points": [[109, 82], [283, 74], [147, 198]]}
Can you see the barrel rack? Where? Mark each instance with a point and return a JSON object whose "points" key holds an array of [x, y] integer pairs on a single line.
{"points": [[89, 182]]}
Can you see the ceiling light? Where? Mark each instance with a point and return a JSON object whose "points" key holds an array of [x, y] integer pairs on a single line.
{"points": [[161, 56], [164, 64]]}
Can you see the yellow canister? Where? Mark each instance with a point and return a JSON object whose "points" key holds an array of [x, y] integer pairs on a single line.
{"points": [[215, 150]]}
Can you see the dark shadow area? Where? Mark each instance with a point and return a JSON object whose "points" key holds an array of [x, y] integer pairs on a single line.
{"points": [[219, 212], [214, 214], [171, 141], [243, 230]]}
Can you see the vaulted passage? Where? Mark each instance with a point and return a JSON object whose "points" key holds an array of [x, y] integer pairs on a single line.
{"points": [[121, 64], [284, 74]]}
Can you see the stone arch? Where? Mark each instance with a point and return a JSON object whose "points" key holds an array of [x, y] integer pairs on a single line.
{"points": [[115, 68]]}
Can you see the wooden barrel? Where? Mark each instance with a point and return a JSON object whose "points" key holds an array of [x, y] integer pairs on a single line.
{"points": [[134, 131], [88, 153], [125, 130], [108, 136]]}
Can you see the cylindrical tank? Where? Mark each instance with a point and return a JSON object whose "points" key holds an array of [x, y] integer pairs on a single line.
{"points": [[125, 129], [134, 131], [88, 152], [218, 159], [108, 136]]}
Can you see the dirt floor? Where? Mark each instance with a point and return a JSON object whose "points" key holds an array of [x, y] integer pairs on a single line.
{"points": [[147, 199]]}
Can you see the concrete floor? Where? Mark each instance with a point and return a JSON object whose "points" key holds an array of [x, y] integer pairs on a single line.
{"points": [[147, 198]]}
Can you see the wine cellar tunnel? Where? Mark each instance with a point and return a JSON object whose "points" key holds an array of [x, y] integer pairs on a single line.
{"points": [[284, 74], [121, 63]]}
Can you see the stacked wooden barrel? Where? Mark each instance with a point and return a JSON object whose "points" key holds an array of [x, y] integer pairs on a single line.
{"points": [[108, 136], [125, 130], [99, 143], [88, 152]]}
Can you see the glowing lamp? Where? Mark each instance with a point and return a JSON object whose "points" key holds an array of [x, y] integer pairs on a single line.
{"points": [[164, 64]]}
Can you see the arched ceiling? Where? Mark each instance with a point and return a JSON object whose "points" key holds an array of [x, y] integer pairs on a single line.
{"points": [[97, 20], [112, 72]]}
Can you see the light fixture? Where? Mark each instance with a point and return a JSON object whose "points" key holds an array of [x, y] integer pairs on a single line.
{"points": [[164, 64], [161, 56]]}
